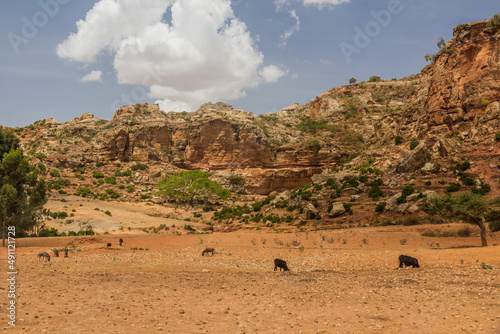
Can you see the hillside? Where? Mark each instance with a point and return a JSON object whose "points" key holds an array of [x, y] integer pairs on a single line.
{"points": [[342, 159]]}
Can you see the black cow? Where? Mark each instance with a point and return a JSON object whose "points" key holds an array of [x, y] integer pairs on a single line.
{"points": [[108, 245], [408, 261], [280, 264], [121, 241]]}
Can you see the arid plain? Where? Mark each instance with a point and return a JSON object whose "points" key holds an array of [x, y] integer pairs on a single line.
{"points": [[341, 281]]}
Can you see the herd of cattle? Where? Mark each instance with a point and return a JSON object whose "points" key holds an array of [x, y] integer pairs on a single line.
{"points": [[404, 260]]}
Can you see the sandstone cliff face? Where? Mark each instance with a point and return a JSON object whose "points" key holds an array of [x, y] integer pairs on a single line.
{"points": [[457, 96], [462, 82]]}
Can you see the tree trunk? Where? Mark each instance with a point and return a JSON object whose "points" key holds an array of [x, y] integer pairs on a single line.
{"points": [[482, 226]]}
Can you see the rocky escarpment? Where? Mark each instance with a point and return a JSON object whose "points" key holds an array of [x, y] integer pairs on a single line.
{"points": [[407, 132]]}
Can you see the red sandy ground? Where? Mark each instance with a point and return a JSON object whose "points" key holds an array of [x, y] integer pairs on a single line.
{"points": [[343, 281]]}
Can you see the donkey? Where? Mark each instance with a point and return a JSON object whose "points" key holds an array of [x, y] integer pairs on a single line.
{"points": [[208, 250], [43, 255]]}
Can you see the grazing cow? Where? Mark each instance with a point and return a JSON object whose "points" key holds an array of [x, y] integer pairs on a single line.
{"points": [[121, 241], [208, 250], [56, 252], [280, 264], [408, 261], [43, 255], [108, 245]]}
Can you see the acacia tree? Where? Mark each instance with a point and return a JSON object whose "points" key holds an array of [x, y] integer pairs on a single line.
{"points": [[188, 187], [22, 192], [466, 206]]}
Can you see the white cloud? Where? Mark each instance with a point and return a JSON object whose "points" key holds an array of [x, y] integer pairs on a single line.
{"points": [[272, 73], [204, 54], [321, 3], [296, 27], [92, 76]]}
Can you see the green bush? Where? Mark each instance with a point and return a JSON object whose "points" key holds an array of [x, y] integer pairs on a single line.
{"points": [[497, 136], [398, 140], [452, 187], [463, 166], [139, 166], [380, 207], [55, 173], [98, 175], [414, 144]]}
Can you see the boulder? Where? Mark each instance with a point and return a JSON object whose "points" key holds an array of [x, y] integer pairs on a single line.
{"points": [[337, 209], [414, 160]]}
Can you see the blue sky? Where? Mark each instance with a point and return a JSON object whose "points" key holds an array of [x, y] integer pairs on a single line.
{"points": [[63, 58]]}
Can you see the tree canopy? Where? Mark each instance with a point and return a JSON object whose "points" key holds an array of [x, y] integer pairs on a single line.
{"points": [[466, 206], [22, 192], [188, 187]]}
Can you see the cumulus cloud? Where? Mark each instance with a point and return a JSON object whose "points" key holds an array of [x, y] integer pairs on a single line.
{"points": [[92, 76], [203, 54]]}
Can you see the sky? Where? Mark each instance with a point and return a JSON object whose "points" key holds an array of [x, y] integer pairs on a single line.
{"points": [[63, 58]]}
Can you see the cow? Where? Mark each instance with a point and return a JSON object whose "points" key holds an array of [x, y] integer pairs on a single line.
{"points": [[408, 261], [121, 241], [208, 250], [280, 264], [108, 245]]}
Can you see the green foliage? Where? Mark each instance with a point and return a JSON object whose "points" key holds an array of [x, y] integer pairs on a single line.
{"points": [[463, 166], [55, 173], [497, 136], [398, 140], [98, 175], [452, 187], [467, 206], [375, 193], [314, 145], [408, 190], [380, 207], [414, 144], [227, 213], [192, 186], [110, 179], [237, 179], [22, 192], [494, 22], [312, 126], [374, 78], [352, 81], [139, 166]]}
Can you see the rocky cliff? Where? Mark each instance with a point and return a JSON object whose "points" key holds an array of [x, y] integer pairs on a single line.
{"points": [[408, 131]]}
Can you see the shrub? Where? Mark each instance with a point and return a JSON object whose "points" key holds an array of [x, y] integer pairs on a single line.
{"points": [[139, 166], [414, 144], [237, 179], [463, 166], [110, 179], [465, 231], [397, 140], [380, 207], [352, 81], [314, 145], [452, 187], [208, 208], [107, 212], [408, 190], [98, 175], [374, 78], [497, 136], [55, 173]]}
